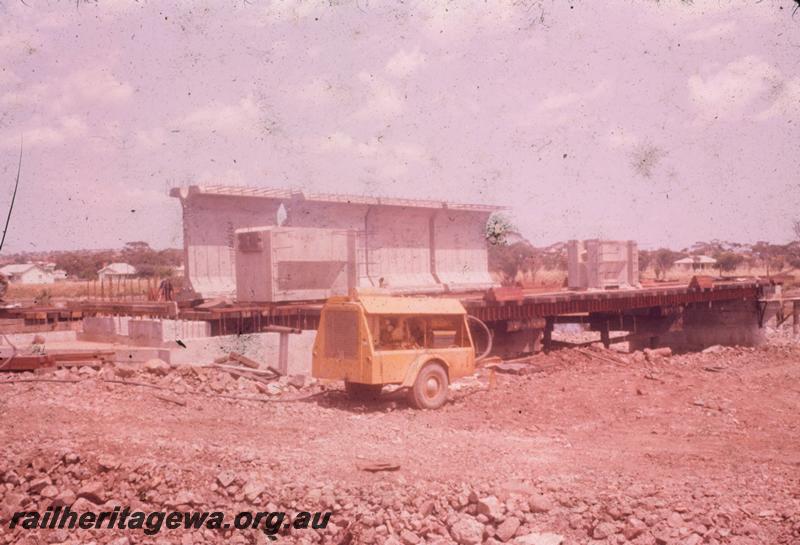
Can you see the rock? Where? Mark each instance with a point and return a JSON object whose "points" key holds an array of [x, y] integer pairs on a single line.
{"points": [[693, 539], [674, 520], [716, 349], [82, 505], [426, 508], [120, 541], [226, 478], [37, 485], [491, 507], [604, 530], [409, 538], [298, 381], [184, 498], [107, 463], [507, 529], [657, 353], [539, 539], [65, 498], [633, 529], [540, 503], [93, 491], [252, 490], [71, 458], [157, 366], [49, 492], [11, 477], [273, 389], [86, 371], [467, 531], [123, 370], [12, 503]]}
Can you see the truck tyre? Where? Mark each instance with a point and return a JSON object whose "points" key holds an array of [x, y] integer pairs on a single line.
{"points": [[430, 388], [362, 392]]}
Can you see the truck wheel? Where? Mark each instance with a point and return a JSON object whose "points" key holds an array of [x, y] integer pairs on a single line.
{"points": [[430, 388], [362, 392]]}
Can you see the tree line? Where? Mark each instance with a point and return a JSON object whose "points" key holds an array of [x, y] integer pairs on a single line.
{"points": [[520, 256], [84, 264]]}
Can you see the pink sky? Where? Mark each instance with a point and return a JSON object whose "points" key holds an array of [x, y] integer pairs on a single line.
{"points": [[541, 105]]}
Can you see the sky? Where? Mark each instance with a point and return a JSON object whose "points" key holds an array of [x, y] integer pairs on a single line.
{"points": [[665, 122]]}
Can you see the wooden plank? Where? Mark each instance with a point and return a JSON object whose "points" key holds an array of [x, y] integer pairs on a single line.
{"points": [[244, 360]]}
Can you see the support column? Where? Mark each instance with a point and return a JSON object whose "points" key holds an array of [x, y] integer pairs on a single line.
{"points": [[605, 337], [547, 339], [283, 353]]}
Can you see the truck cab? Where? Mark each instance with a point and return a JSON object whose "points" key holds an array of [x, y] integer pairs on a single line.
{"points": [[368, 341]]}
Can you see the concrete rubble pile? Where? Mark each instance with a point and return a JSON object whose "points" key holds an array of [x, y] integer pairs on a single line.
{"points": [[536, 511], [184, 380]]}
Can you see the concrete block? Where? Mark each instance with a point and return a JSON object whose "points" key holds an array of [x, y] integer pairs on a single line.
{"points": [[294, 263], [602, 264], [165, 333], [99, 327], [261, 347]]}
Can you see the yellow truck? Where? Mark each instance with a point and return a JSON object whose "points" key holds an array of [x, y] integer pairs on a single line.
{"points": [[420, 343]]}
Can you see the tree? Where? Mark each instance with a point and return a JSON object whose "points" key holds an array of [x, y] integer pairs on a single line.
{"points": [[511, 259], [498, 228], [663, 258], [728, 261], [645, 258]]}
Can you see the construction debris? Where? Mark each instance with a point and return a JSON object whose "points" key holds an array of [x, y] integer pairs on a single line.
{"points": [[33, 362]]}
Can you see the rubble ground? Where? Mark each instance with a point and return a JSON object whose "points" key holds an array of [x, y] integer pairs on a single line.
{"points": [[577, 446]]}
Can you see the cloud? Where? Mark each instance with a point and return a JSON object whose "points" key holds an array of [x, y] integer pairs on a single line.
{"points": [[229, 118], [321, 91], [67, 127], [383, 99], [403, 63], [560, 101], [387, 161], [731, 89], [63, 95], [712, 32], [32, 95], [152, 138], [97, 84]]}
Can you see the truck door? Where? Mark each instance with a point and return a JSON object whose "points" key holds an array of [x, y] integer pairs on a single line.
{"points": [[342, 344]]}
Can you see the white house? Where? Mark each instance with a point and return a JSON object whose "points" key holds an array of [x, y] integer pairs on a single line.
{"points": [[29, 273], [696, 263], [116, 270]]}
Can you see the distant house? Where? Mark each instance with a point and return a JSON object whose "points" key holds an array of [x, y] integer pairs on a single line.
{"points": [[116, 270], [29, 273], [58, 274], [696, 263]]}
